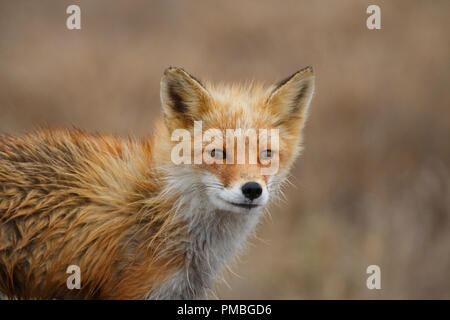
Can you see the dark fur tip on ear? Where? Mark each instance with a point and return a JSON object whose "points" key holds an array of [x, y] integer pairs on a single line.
{"points": [[305, 71], [307, 68], [171, 69]]}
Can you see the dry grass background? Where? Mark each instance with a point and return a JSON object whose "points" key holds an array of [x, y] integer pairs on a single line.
{"points": [[373, 185]]}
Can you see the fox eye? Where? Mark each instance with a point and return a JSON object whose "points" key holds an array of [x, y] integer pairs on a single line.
{"points": [[217, 154], [266, 154]]}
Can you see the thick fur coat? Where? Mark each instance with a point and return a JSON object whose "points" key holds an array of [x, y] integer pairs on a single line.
{"points": [[137, 225]]}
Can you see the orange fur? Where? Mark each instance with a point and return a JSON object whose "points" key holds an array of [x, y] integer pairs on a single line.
{"points": [[72, 198], [98, 201]]}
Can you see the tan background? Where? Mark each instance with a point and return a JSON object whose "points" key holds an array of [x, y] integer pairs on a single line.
{"points": [[373, 185]]}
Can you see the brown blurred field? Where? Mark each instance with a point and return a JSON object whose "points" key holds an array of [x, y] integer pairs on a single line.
{"points": [[373, 184]]}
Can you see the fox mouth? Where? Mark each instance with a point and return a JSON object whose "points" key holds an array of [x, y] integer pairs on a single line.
{"points": [[244, 205]]}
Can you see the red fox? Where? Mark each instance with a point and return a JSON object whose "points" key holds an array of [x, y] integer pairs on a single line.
{"points": [[136, 224]]}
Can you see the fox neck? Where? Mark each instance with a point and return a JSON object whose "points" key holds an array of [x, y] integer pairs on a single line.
{"points": [[213, 237]]}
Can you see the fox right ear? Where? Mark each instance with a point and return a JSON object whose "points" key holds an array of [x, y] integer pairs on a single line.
{"points": [[182, 97], [290, 99]]}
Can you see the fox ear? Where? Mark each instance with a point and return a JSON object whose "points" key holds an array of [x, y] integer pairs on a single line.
{"points": [[290, 99], [182, 97]]}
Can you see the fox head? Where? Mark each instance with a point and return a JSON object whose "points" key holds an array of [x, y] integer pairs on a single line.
{"points": [[219, 120]]}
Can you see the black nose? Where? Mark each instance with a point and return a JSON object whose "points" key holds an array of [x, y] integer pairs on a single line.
{"points": [[251, 190]]}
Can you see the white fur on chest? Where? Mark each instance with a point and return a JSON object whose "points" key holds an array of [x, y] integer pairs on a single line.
{"points": [[214, 237]]}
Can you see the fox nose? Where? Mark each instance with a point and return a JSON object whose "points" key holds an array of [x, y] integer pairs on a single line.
{"points": [[251, 190]]}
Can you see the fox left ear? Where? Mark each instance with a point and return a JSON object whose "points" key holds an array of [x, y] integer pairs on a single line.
{"points": [[182, 97], [290, 99]]}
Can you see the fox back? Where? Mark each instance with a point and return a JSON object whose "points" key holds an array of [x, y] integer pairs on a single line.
{"points": [[138, 222]]}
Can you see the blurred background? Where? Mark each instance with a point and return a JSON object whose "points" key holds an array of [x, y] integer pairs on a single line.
{"points": [[373, 184]]}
